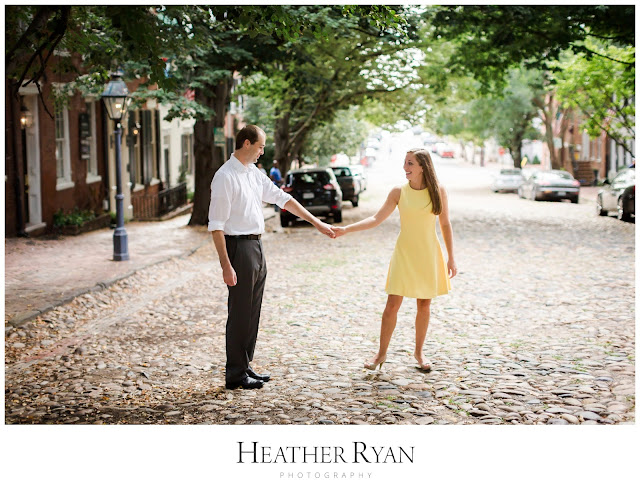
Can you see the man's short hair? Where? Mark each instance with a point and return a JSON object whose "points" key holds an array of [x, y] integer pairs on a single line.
{"points": [[249, 132]]}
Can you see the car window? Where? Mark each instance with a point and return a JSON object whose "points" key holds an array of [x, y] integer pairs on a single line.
{"points": [[560, 174], [311, 178], [341, 172], [625, 176]]}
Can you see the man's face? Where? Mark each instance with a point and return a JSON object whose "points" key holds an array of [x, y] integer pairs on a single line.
{"points": [[256, 149]]}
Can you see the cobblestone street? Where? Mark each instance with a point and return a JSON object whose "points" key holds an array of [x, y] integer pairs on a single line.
{"points": [[539, 328]]}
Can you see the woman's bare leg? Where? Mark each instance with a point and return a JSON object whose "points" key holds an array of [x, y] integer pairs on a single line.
{"points": [[422, 324], [388, 324]]}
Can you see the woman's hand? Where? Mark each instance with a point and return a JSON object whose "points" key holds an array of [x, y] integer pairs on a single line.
{"points": [[339, 231], [452, 268]]}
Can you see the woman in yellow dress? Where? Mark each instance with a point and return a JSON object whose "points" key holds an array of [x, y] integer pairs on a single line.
{"points": [[418, 268]]}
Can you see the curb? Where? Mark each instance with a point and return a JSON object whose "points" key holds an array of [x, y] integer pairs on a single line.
{"points": [[26, 316]]}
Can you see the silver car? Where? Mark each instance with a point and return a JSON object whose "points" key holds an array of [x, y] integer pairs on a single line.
{"points": [[618, 195], [507, 180], [550, 185]]}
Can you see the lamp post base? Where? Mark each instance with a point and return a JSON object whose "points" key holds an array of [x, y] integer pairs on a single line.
{"points": [[120, 245]]}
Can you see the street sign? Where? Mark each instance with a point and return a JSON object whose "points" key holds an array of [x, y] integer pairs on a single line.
{"points": [[218, 136]]}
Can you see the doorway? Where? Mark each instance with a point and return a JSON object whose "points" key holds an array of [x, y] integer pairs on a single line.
{"points": [[31, 149]]}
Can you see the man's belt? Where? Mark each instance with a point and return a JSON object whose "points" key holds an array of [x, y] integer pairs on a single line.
{"points": [[245, 236]]}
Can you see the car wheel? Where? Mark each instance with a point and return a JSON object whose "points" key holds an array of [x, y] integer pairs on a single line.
{"points": [[284, 222], [355, 200], [337, 216], [622, 214], [601, 211], [574, 200]]}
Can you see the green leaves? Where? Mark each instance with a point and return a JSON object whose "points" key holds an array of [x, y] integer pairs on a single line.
{"points": [[491, 39], [600, 81]]}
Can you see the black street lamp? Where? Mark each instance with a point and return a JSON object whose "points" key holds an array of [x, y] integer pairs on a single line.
{"points": [[116, 99]]}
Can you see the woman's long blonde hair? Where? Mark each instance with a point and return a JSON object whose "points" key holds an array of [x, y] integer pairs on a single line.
{"points": [[429, 175]]}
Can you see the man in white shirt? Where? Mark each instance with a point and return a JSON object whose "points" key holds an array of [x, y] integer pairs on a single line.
{"points": [[236, 222]]}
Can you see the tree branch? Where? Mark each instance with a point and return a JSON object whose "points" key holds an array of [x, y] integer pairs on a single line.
{"points": [[607, 57]]}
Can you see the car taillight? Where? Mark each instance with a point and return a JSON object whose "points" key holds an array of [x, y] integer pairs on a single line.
{"points": [[287, 189], [576, 182], [329, 186], [544, 183]]}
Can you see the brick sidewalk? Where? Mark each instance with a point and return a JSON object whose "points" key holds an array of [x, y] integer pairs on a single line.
{"points": [[41, 274]]}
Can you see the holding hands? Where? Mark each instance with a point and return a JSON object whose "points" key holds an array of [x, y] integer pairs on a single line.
{"points": [[339, 231], [325, 229]]}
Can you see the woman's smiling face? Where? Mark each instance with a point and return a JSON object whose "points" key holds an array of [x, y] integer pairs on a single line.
{"points": [[412, 170]]}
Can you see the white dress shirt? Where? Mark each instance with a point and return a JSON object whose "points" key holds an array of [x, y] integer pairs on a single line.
{"points": [[237, 193]]}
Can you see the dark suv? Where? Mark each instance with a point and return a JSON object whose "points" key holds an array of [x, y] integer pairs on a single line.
{"points": [[318, 191], [349, 184]]}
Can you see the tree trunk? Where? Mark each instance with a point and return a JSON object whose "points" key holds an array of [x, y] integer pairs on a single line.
{"points": [[208, 157], [282, 143], [286, 149], [517, 157], [516, 146], [563, 131], [547, 114]]}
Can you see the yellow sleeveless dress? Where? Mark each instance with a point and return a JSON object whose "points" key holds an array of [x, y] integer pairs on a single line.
{"points": [[418, 268]]}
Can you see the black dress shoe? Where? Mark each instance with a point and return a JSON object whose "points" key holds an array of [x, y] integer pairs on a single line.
{"points": [[259, 377], [245, 383]]}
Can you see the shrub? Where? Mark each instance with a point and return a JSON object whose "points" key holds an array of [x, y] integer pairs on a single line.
{"points": [[77, 217]]}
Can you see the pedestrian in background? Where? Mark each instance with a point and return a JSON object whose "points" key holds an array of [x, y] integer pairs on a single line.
{"points": [[261, 169], [274, 174], [236, 223], [276, 177], [417, 267]]}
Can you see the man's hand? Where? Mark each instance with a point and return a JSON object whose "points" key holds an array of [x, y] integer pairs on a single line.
{"points": [[339, 231], [229, 276], [325, 229]]}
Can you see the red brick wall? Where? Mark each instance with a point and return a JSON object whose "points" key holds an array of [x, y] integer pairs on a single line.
{"points": [[81, 195]]}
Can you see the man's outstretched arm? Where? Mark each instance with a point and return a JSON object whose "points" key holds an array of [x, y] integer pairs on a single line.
{"points": [[295, 208]]}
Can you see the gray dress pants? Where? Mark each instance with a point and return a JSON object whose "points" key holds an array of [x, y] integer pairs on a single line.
{"points": [[245, 301]]}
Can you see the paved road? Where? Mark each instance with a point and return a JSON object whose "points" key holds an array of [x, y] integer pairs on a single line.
{"points": [[539, 328]]}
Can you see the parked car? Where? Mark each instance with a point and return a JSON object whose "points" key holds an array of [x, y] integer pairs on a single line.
{"points": [[349, 184], [619, 195], [507, 180], [550, 185], [444, 150], [360, 172], [317, 189]]}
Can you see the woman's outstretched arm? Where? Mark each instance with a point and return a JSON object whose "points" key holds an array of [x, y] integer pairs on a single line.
{"points": [[370, 222], [447, 233]]}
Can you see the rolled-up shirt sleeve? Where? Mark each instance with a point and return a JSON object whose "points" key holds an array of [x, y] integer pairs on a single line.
{"points": [[220, 205], [272, 194]]}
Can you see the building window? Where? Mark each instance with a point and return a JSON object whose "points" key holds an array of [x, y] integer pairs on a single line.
{"points": [[92, 162], [133, 142], [148, 148], [186, 165], [63, 154]]}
